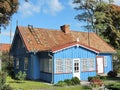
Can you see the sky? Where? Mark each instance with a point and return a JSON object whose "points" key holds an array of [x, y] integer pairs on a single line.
{"points": [[49, 14]]}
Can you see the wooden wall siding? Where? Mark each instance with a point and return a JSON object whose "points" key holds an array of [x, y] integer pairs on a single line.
{"points": [[46, 77], [85, 75], [62, 77], [75, 52], [18, 48], [109, 66], [35, 67], [72, 53]]}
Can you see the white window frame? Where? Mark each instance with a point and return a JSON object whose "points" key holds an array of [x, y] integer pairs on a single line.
{"points": [[25, 63], [91, 64], [87, 64], [59, 66], [84, 64], [68, 65]]}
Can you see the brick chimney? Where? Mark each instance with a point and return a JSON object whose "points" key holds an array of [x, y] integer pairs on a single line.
{"points": [[65, 28]]}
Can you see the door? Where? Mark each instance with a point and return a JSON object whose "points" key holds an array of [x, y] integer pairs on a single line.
{"points": [[100, 65], [76, 68]]}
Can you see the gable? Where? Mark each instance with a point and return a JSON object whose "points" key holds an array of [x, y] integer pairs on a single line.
{"points": [[72, 44], [17, 44], [40, 39]]}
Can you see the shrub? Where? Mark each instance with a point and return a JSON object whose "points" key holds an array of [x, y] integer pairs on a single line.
{"points": [[95, 77], [3, 76], [112, 74], [7, 87], [3, 85], [61, 83], [75, 81], [90, 78], [103, 77], [68, 82], [20, 76], [96, 82]]}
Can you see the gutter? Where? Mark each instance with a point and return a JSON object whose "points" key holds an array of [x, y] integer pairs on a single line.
{"points": [[52, 67]]}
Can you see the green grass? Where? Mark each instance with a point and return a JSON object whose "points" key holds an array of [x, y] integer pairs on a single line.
{"points": [[37, 85], [112, 80]]}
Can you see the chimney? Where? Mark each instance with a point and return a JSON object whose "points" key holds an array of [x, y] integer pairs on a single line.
{"points": [[65, 28]]}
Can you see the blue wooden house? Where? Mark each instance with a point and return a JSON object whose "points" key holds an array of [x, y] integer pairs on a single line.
{"points": [[54, 55]]}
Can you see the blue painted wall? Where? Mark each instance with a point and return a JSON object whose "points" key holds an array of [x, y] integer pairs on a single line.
{"points": [[109, 66], [72, 53], [35, 67], [46, 77]]}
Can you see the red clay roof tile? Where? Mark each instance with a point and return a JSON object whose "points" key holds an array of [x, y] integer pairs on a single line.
{"points": [[39, 39], [4, 47]]}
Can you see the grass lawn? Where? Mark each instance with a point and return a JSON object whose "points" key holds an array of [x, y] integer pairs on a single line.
{"points": [[112, 80], [36, 85]]}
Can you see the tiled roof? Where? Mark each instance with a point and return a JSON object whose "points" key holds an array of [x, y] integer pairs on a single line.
{"points": [[40, 39], [4, 47]]}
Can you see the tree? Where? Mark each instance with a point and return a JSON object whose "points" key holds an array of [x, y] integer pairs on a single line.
{"points": [[103, 18], [87, 8], [7, 9]]}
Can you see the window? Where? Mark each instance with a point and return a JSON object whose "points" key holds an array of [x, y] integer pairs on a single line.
{"points": [[50, 65], [84, 64], [105, 61], [76, 66], [91, 64], [87, 64], [68, 65], [59, 66], [17, 63], [25, 63], [46, 65]]}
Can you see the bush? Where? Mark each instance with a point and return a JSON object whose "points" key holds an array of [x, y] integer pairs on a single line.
{"points": [[96, 82], [20, 76], [103, 77], [68, 82], [3, 85], [94, 77], [3, 76], [75, 81], [7, 87], [61, 83], [112, 74]]}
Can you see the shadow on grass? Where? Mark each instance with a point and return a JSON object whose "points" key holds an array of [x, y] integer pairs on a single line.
{"points": [[117, 79], [15, 81]]}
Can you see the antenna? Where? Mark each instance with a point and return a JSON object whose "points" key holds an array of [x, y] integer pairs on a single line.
{"points": [[17, 22], [10, 31]]}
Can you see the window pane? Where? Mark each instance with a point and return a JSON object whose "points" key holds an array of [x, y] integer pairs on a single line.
{"points": [[91, 64], [50, 65], [25, 63], [59, 66], [84, 64], [68, 65]]}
